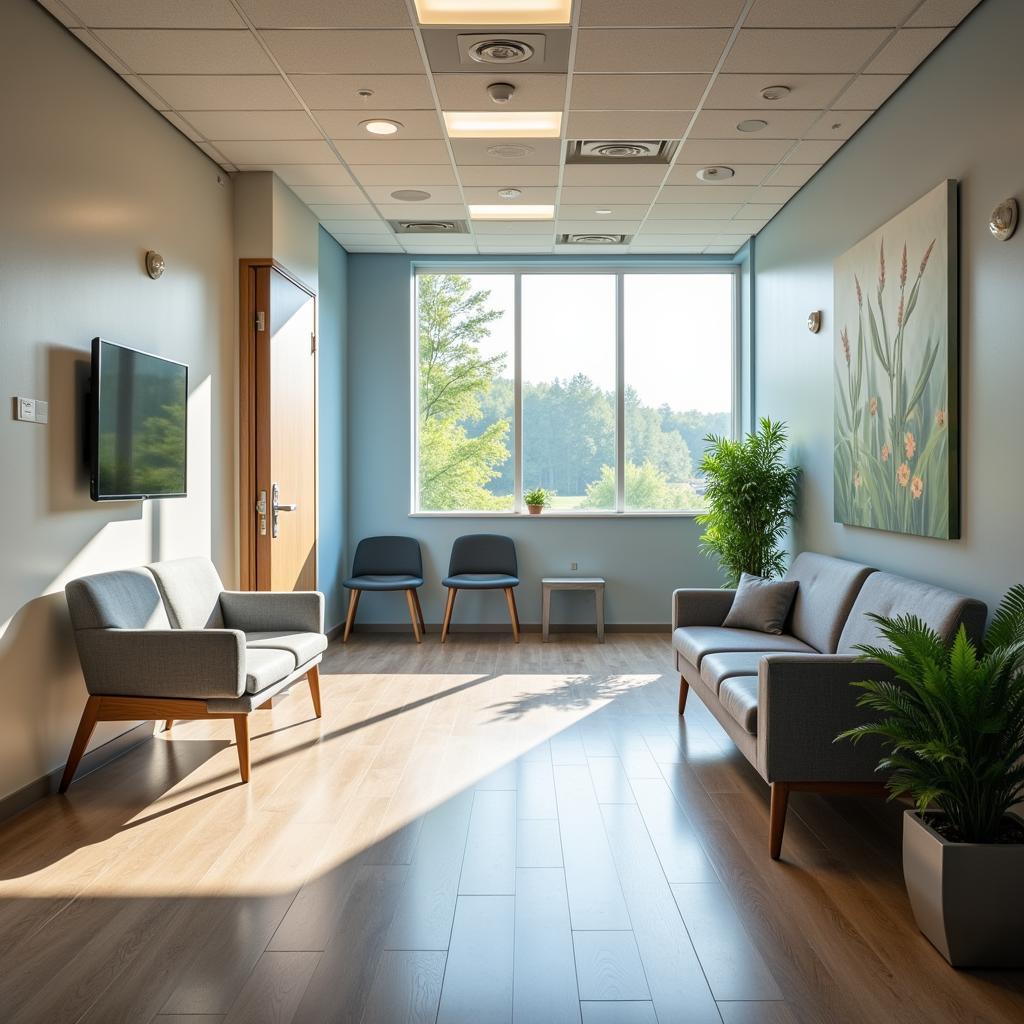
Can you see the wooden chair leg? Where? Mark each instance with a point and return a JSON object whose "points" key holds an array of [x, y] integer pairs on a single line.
{"points": [[313, 677], [85, 730], [242, 741], [353, 604], [513, 614], [419, 611], [452, 591], [684, 692], [409, 600], [168, 725], [777, 820]]}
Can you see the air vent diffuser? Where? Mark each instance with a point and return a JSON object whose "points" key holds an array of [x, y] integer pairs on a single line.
{"points": [[594, 239], [429, 227], [621, 151]]}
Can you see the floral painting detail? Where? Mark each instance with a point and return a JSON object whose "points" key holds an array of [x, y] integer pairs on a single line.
{"points": [[896, 364]]}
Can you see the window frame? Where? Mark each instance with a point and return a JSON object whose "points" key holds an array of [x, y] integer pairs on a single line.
{"points": [[619, 272]]}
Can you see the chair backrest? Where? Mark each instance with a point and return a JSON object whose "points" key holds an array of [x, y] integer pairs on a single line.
{"points": [[388, 556], [483, 553], [828, 588], [124, 599], [191, 589]]}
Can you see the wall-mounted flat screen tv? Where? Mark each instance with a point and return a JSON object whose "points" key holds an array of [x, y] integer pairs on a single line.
{"points": [[138, 424]]}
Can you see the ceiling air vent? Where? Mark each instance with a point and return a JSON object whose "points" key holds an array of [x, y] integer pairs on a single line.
{"points": [[621, 151], [500, 51], [429, 227], [594, 239]]}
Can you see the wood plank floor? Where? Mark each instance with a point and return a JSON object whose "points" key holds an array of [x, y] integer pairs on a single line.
{"points": [[477, 833]]}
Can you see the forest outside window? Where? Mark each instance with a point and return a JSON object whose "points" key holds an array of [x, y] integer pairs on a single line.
{"points": [[598, 386]]}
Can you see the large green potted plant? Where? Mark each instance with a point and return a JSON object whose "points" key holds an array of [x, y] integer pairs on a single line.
{"points": [[953, 728], [751, 497]]}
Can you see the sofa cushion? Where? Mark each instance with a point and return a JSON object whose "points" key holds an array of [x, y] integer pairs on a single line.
{"points": [[191, 589], [739, 697], [828, 589], [302, 646], [716, 668], [693, 642], [889, 595], [761, 604], [124, 599], [265, 666]]}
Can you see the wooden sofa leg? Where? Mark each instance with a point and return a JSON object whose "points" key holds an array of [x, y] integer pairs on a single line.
{"points": [[353, 604], [242, 741], [777, 819], [168, 725], [684, 692], [313, 676], [452, 591], [85, 730]]}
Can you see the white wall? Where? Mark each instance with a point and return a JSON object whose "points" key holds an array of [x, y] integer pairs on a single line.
{"points": [[92, 177]]}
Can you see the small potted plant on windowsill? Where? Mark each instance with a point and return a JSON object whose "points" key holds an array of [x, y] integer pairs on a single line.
{"points": [[954, 729], [536, 500]]}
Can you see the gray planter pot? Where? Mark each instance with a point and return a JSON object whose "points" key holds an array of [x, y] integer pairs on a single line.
{"points": [[968, 898]]}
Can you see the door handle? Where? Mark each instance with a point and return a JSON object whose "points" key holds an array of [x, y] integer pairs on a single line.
{"points": [[276, 507]]}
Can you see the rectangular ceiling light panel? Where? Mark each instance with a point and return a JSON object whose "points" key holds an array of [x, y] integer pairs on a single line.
{"points": [[503, 124], [508, 211], [494, 12]]}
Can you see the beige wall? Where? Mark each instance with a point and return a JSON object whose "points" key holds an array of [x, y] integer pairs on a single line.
{"points": [[91, 178]]}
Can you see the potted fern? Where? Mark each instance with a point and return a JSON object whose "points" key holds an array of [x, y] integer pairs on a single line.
{"points": [[751, 497], [536, 500], [953, 728]]}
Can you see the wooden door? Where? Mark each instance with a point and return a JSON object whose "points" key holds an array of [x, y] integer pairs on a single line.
{"points": [[284, 433]]}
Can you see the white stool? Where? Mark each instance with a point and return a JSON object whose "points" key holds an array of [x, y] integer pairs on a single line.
{"points": [[550, 583]]}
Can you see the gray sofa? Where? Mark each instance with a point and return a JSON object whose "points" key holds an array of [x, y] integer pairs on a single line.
{"points": [[784, 698], [167, 641]]}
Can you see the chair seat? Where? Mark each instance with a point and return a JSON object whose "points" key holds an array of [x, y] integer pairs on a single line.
{"points": [[694, 642], [302, 647], [738, 695], [383, 582], [480, 581], [265, 666]]}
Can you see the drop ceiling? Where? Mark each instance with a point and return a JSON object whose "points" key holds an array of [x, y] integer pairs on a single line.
{"points": [[285, 86]]}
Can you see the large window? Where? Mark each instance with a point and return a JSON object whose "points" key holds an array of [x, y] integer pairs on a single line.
{"points": [[598, 386]]}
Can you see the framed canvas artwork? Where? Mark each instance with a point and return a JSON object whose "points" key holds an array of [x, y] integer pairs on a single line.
{"points": [[896, 373]]}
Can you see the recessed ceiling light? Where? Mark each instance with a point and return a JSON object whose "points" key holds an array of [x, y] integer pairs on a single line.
{"points": [[494, 12], [754, 124], [775, 92], [486, 211], [602, 212], [715, 173], [381, 126], [496, 124], [509, 193], [509, 152], [410, 195]]}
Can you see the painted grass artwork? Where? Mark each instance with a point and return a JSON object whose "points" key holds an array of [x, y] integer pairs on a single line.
{"points": [[896, 374]]}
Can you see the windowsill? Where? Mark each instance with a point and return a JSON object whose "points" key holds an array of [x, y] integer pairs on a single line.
{"points": [[554, 515]]}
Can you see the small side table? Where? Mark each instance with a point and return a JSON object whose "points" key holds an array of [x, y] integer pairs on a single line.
{"points": [[550, 583]]}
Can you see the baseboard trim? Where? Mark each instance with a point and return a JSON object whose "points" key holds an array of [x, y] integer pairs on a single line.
{"points": [[20, 799], [434, 628]]}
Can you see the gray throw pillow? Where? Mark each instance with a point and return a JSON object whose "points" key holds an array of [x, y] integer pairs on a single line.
{"points": [[761, 604]]}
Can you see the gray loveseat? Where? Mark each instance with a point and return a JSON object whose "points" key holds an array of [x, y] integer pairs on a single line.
{"points": [[784, 698], [167, 641]]}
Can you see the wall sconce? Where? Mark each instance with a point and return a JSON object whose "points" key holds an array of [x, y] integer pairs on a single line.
{"points": [[155, 265], [814, 321], [1003, 221]]}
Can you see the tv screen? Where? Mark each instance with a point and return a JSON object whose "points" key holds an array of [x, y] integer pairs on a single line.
{"points": [[138, 424]]}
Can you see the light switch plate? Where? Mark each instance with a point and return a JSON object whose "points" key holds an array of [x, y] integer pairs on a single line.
{"points": [[31, 410]]}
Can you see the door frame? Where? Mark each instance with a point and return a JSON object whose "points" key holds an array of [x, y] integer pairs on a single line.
{"points": [[247, 492]]}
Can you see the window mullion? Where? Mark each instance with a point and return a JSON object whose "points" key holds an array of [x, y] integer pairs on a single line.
{"points": [[517, 390], [620, 394]]}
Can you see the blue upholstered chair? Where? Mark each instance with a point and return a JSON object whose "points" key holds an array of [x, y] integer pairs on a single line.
{"points": [[482, 561], [387, 563]]}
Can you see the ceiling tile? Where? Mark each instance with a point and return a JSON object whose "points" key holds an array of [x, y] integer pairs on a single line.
{"points": [[837, 124], [374, 248], [476, 151], [344, 211], [187, 51], [341, 92], [675, 238], [618, 211], [224, 92], [694, 211], [523, 249], [104, 52], [346, 124], [746, 174], [792, 174], [253, 124], [356, 227], [157, 14], [437, 241], [597, 224], [699, 194], [812, 152], [326, 14], [941, 12], [904, 52], [156, 101], [807, 92], [808, 51], [183, 126], [469, 91], [512, 227], [678, 225], [815, 14], [773, 193], [427, 250], [487, 238], [215, 154], [782, 124], [628, 175], [637, 92], [347, 52], [607, 195], [759, 211], [422, 211], [394, 151], [732, 151], [307, 174], [661, 13], [531, 194], [868, 92], [518, 175], [628, 124], [647, 50], [277, 152], [438, 194], [722, 250], [331, 194], [350, 238], [396, 176]]}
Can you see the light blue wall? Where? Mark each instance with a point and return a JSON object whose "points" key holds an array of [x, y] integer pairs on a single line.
{"points": [[332, 331], [957, 117], [643, 560]]}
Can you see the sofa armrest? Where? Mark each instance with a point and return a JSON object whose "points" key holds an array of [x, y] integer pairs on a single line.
{"points": [[184, 663], [804, 701], [693, 606], [301, 611]]}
